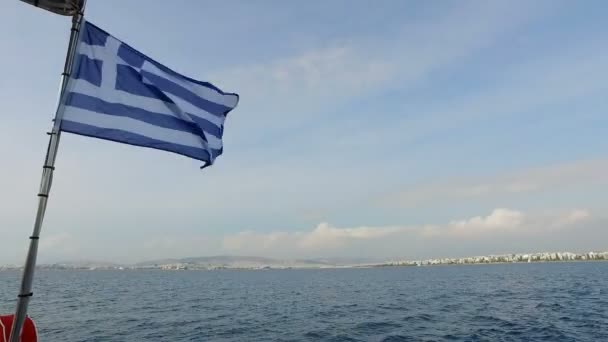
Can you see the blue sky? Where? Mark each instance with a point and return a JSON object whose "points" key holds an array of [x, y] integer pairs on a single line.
{"points": [[394, 129]]}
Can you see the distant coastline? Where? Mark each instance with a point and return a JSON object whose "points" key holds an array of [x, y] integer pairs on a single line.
{"points": [[259, 263], [508, 258]]}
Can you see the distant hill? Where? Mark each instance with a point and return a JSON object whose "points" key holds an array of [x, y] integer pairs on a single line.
{"points": [[83, 264], [229, 261], [253, 262]]}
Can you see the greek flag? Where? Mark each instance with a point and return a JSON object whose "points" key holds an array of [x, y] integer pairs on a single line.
{"points": [[117, 93]]}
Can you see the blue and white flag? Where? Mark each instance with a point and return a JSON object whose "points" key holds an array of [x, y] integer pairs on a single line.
{"points": [[117, 93]]}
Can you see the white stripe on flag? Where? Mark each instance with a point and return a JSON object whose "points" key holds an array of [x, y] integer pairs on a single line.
{"points": [[101, 52], [132, 126], [202, 91], [143, 102]]}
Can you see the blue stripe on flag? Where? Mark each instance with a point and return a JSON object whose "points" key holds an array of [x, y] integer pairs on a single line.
{"points": [[93, 35], [141, 108], [207, 126], [136, 61], [89, 69], [176, 74], [130, 56], [217, 153], [173, 88], [134, 139], [116, 109], [129, 80]]}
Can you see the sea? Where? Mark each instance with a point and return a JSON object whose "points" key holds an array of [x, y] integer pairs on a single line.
{"points": [[500, 302]]}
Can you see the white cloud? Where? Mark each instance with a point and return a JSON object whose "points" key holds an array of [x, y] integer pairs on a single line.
{"points": [[326, 237], [324, 76], [573, 217], [324, 72], [500, 219], [531, 85], [497, 227]]}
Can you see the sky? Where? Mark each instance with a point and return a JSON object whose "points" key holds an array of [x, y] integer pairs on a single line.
{"points": [[393, 129]]}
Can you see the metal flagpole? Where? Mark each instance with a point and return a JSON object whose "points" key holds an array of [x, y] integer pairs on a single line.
{"points": [[25, 292]]}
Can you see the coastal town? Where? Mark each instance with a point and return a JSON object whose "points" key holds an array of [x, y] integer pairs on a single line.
{"points": [[255, 263], [508, 258]]}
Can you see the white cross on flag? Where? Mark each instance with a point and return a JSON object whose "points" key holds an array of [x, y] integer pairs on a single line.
{"points": [[117, 93]]}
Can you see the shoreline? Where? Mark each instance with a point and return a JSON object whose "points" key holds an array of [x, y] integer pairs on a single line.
{"points": [[270, 268]]}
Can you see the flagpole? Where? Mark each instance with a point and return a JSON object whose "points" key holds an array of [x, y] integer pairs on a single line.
{"points": [[25, 292]]}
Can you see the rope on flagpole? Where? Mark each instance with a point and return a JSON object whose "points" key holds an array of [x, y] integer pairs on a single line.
{"points": [[25, 293]]}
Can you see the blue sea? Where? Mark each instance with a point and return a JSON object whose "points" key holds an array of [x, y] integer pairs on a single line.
{"points": [[507, 302]]}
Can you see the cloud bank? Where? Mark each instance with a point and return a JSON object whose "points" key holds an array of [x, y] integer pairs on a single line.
{"points": [[326, 237]]}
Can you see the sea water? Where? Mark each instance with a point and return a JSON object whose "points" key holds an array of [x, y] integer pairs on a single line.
{"points": [[507, 302]]}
